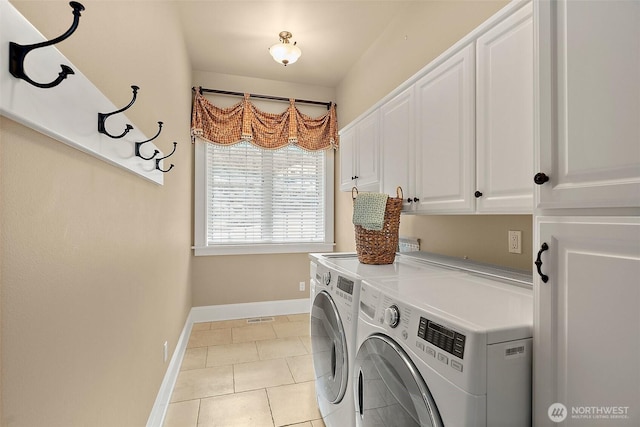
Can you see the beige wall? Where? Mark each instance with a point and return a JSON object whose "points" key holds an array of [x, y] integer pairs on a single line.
{"points": [[233, 279], [417, 36], [96, 260], [478, 237], [420, 32]]}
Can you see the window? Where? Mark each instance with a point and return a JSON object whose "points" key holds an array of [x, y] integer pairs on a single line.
{"points": [[251, 200]]}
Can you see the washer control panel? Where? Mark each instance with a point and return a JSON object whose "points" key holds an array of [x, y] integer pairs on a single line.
{"points": [[448, 340]]}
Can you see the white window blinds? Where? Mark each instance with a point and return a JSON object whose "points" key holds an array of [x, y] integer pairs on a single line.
{"points": [[257, 196]]}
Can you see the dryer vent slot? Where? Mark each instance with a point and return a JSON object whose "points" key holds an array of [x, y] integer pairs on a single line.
{"points": [[513, 352]]}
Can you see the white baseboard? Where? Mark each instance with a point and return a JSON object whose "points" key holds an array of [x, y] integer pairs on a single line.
{"points": [[214, 313], [159, 410]]}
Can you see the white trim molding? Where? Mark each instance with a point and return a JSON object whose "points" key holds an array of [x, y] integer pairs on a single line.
{"points": [[215, 313], [289, 248], [160, 406]]}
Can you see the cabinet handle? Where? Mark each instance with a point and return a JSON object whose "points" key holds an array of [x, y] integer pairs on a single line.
{"points": [[477, 194], [409, 200], [538, 262], [540, 178], [415, 199]]}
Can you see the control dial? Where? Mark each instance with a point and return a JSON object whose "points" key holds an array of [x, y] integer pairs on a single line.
{"points": [[326, 278], [392, 316]]}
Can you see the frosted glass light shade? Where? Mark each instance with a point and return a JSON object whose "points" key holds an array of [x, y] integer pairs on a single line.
{"points": [[285, 53]]}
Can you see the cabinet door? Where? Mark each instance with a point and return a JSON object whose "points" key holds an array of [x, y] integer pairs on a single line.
{"points": [[445, 145], [588, 103], [587, 322], [504, 115], [396, 120], [367, 153], [347, 166]]}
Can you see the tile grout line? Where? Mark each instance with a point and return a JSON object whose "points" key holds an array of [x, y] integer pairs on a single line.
{"points": [[273, 420], [198, 417], [233, 375]]}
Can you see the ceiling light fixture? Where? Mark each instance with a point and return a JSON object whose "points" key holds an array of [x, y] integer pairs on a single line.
{"points": [[284, 52]]}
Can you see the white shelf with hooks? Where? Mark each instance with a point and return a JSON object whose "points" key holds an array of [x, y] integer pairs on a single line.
{"points": [[67, 112]]}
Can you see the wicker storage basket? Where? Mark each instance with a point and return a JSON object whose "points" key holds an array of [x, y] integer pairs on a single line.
{"points": [[379, 247]]}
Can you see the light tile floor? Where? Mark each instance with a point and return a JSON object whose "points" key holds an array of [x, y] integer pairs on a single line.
{"points": [[239, 373]]}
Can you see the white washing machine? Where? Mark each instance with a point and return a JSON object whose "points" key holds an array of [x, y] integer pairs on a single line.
{"points": [[449, 351], [335, 290]]}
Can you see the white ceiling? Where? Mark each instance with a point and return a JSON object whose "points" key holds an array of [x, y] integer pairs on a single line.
{"points": [[233, 37]]}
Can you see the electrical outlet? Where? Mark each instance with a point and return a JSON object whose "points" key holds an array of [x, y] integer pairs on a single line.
{"points": [[302, 286], [165, 352], [515, 242]]}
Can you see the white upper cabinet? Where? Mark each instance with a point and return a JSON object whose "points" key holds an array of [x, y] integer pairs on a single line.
{"points": [[474, 142], [360, 155], [588, 103], [396, 122], [445, 136], [347, 158], [458, 136], [504, 116]]}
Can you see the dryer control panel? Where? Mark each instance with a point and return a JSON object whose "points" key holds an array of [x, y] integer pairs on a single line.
{"points": [[450, 341], [344, 288], [345, 285]]}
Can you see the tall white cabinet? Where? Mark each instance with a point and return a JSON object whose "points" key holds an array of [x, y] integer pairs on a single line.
{"points": [[587, 321], [587, 218]]}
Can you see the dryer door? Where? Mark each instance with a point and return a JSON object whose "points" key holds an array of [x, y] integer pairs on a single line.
{"points": [[329, 347], [390, 391]]}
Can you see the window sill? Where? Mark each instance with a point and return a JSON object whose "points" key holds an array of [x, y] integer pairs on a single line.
{"points": [[262, 249]]}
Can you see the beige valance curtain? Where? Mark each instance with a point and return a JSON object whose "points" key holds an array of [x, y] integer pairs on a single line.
{"points": [[244, 122]]}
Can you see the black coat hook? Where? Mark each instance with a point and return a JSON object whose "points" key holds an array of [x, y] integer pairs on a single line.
{"points": [[17, 52], [139, 144], [175, 144], [103, 116]]}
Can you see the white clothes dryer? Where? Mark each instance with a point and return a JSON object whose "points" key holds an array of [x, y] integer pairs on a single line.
{"points": [[335, 284], [449, 351]]}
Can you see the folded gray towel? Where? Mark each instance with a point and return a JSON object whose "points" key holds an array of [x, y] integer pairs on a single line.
{"points": [[369, 209]]}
